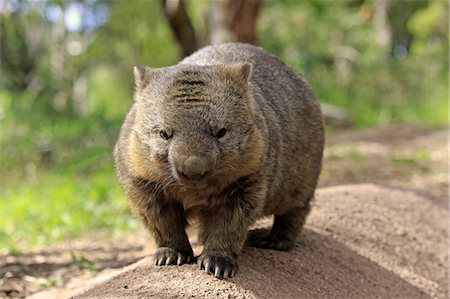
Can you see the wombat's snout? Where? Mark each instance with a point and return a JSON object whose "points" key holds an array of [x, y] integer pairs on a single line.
{"points": [[194, 167]]}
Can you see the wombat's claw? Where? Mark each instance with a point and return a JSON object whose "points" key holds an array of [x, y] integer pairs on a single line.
{"points": [[168, 256], [219, 266]]}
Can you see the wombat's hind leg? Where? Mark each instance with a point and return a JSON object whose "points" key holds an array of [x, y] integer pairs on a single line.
{"points": [[284, 232]]}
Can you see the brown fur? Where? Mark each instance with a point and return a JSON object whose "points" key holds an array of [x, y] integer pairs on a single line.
{"points": [[174, 163]]}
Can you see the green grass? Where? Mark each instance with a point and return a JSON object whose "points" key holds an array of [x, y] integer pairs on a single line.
{"points": [[56, 205], [69, 194], [419, 160]]}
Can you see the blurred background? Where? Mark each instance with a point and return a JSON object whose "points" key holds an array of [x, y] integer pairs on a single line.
{"points": [[66, 83]]}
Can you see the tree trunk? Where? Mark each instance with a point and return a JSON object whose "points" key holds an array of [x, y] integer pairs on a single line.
{"points": [[176, 14], [234, 21], [381, 24]]}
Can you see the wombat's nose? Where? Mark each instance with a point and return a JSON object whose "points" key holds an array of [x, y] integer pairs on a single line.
{"points": [[194, 167]]}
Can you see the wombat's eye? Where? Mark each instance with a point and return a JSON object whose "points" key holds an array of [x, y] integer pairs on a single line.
{"points": [[164, 135], [221, 133]]}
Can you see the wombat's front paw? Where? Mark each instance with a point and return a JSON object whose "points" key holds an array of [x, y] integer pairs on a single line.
{"points": [[220, 266], [263, 238], [169, 256]]}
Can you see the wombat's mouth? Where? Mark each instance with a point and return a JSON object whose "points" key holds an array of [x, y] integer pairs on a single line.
{"points": [[199, 183], [194, 185]]}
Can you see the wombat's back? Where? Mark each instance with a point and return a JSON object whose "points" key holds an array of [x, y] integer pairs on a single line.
{"points": [[294, 128]]}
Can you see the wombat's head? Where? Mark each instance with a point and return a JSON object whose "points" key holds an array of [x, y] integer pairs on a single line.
{"points": [[195, 125]]}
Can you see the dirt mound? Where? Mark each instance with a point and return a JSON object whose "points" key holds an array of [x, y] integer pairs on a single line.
{"points": [[360, 241]]}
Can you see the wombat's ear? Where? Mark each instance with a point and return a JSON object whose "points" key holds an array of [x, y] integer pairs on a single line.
{"points": [[246, 70], [142, 76], [240, 72]]}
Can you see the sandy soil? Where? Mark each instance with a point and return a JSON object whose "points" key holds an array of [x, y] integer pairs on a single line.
{"points": [[396, 247], [361, 241]]}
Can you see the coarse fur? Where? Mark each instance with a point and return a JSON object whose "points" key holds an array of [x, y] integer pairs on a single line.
{"points": [[228, 135]]}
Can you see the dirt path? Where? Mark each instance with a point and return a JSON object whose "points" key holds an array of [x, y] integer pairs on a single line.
{"points": [[361, 241], [405, 156]]}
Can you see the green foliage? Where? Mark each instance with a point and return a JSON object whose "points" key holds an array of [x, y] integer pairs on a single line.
{"points": [[335, 45], [57, 177], [136, 34], [18, 52]]}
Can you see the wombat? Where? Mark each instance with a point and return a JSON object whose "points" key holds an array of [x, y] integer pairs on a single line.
{"points": [[228, 135]]}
